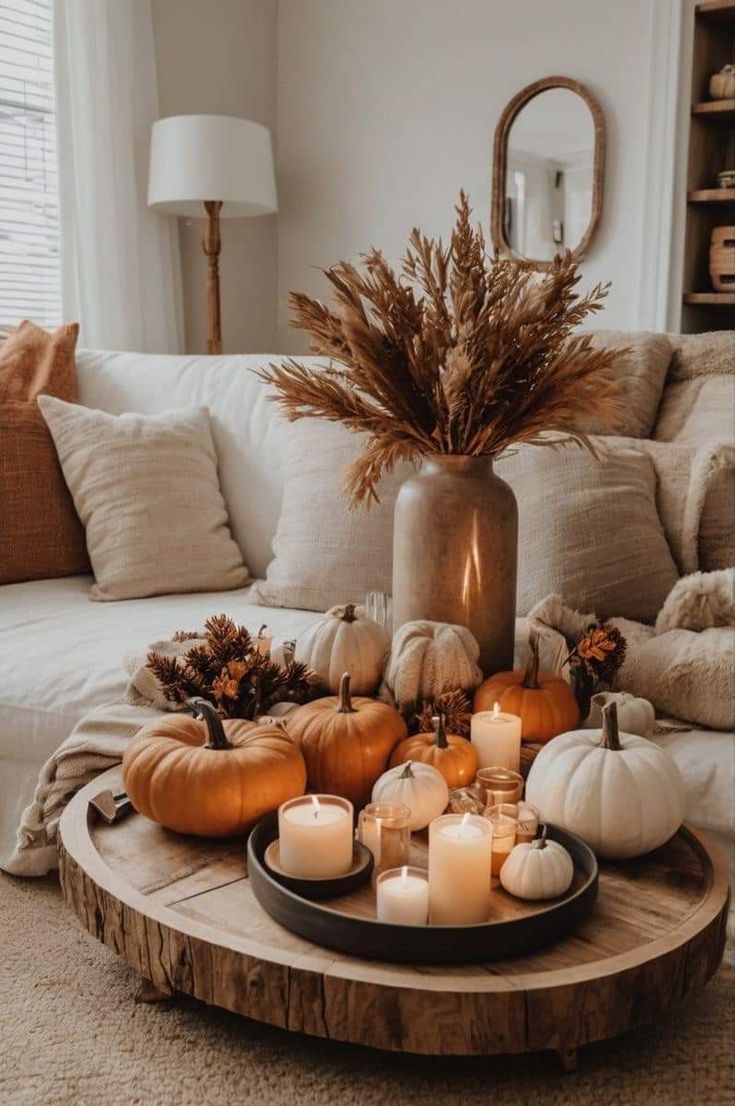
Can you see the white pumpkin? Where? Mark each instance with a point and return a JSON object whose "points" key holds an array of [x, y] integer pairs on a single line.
{"points": [[634, 715], [428, 658], [420, 787], [344, 640], [620, 793], [537, 869]]}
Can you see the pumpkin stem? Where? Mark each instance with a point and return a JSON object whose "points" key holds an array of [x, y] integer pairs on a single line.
{"points": [[345, 700], [540, 841], [203, 710], [407, 773], [440, 730], [530, 679], [348, 614], [610, 732]]}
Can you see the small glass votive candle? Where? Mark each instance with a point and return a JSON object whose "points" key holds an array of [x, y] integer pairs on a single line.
{"points": [[383, 828], [503, 819], [527, 825], [500, 785], [316, 836], [403, 896]]}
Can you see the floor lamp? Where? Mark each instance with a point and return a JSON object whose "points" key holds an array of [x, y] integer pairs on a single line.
{"points": [[213, 165]]}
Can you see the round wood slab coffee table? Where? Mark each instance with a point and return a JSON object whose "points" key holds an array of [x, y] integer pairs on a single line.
{"points": [[181, 912]]}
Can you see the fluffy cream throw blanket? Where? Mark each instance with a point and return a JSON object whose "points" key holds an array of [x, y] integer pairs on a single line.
{"points": [[685, 665], [95, 744]]}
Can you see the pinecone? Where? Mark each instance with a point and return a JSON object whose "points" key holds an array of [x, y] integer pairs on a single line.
{"points": [[455, 708], [600, 652]]}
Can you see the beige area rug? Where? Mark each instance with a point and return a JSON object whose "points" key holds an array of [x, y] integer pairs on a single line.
{"points": [[70, 1034]]}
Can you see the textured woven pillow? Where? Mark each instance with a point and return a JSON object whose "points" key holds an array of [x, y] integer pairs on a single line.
{"points": [[146, 489], [699, 400], [40, 533], [642, 372], [324, 553], [589, 531]]}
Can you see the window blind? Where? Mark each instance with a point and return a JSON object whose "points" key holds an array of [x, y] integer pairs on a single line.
{"points": [[30, 284]]}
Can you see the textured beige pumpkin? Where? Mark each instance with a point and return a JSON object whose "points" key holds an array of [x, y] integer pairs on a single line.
{"points": [[620, 793], [538, 869], [428, 658], [210, 778], [344, 640], [420, 787]]}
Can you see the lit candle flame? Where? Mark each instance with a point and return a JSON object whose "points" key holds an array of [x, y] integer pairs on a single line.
{"points": [[496, 712], [315, 805], [404, 873], [464, 823]]}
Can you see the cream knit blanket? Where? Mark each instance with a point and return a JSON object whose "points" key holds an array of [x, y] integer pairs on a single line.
{"points": [[95, 744]]}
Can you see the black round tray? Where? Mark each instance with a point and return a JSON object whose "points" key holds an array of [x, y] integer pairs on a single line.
{"points": [[368, 938]]}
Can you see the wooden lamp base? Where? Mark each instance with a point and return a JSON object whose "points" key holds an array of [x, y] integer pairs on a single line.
{"points": [[212, 244]]}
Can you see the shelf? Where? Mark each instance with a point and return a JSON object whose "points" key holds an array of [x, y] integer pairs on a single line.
{"points": [[710, 299], [721, 112], [712, 196], [719, 12]]}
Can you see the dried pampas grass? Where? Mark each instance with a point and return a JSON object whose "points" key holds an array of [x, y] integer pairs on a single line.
{"points": [[458, 353]]}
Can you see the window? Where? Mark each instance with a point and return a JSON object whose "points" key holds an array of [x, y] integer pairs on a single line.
{"points": [[30, 283]]}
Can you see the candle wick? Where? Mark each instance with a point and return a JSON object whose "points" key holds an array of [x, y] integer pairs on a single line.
{"points": [[496, 712], [315, 805], [463, 823]]}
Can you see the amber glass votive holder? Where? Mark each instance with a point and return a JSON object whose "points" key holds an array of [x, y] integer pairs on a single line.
{"points": [[503, 819], [500, 785], [383, 828]]}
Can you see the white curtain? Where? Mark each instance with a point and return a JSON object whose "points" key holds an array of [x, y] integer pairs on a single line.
{"points": [[120, 261]]}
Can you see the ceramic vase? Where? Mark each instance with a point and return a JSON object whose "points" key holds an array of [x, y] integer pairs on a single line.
{"points": [[455, 549]]}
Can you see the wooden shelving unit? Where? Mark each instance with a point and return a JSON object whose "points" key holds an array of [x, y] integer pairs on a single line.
{"points": [[711, 150]]}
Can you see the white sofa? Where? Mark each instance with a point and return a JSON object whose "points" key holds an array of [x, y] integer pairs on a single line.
{"points": [[61, 653]]}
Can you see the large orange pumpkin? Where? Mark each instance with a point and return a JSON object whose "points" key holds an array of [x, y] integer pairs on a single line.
{"points": [[346, 742], [545, 704], [454, 756], [211, 778]]}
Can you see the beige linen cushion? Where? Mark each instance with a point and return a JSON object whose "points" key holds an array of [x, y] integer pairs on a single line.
{"points": [[589, 531], [698, 405], [324, 553], [146, 490], [642, 372]]}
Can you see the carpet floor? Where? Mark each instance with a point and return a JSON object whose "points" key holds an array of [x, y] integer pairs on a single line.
{"points": [[70, 1035]]}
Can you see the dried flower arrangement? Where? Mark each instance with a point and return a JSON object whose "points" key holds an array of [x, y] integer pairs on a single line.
{"points": [[594, 660], [454, 707], [226, 667], [458, 353]]}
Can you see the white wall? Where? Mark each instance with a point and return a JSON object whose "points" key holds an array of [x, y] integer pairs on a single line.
{"points": [[219, 57], [387, 107]]}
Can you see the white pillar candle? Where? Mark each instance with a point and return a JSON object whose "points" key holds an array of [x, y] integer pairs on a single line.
{"points": [[316, 837], [497, 738], [403, 896], [459, 869]]}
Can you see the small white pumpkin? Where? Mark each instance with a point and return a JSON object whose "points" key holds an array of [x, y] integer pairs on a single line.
{"points": [[537, 869], [428, 658], [620, 793], [344, 640], [634, 715], [420, 787]]}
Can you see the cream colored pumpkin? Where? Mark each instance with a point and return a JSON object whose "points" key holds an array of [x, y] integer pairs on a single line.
{"points": [[428, 658], [539, 869], [634, 715], [344, 640], [420, 787], [620, 793]]}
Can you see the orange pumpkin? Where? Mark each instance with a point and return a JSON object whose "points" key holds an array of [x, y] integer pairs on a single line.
{"points": [[454, 756], [545, 704], [211, 778], [346, 742]]}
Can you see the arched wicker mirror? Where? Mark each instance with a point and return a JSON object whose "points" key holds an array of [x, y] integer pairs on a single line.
{"points": [[548, 168]]}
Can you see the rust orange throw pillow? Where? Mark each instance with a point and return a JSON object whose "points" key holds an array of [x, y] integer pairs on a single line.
{"points": [[40, 533]]}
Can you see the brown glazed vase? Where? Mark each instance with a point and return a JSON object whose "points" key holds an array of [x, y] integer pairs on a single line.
{"points": [[455, 551]]}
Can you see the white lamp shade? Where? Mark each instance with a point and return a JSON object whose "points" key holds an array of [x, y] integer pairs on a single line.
{"points": [[211, 157]]}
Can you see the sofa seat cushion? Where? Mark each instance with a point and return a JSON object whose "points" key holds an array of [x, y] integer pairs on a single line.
{"points": [[63, 656]]}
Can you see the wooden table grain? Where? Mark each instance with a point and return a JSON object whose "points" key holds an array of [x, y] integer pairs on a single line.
{"points": [[180, 911]]}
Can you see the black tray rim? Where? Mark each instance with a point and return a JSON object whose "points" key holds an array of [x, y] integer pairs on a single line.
{"points": [[370, 939]]}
